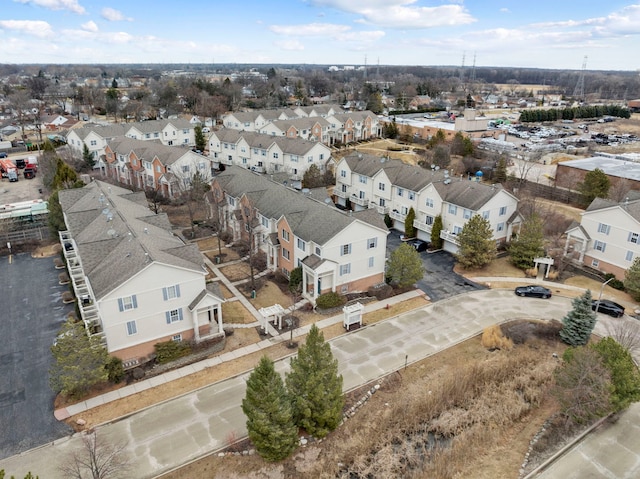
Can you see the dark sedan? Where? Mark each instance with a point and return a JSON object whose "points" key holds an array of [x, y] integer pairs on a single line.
{"points": [[608, 307], [419, 245], [533, 291]]}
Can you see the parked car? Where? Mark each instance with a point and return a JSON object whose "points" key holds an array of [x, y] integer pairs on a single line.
{"points": [[29, 173], [608, 307], [533, 291], [419, 245], [20, 163]]}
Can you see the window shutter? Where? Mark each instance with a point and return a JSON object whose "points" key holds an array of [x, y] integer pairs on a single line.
{"points": [[180, 314], [177, 290], [168, 315], [120, 305], [134, 300], [164, 293]]}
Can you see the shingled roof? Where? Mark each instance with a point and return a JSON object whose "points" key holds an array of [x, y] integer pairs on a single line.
{"points": [[632, 207], [311, 220], [467, 194], [147, 150], [118, 236], [293, 146]]}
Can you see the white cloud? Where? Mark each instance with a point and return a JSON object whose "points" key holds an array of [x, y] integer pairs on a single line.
{"points": [[114, 15], [37, 28], [402, 13], [290, 45], [505, 10], [71, 5], [117, 37], [310, 29], [90, 26]]}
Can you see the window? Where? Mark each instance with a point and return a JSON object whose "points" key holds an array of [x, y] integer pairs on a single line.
{"points": [[275, 156], [599, 246], [429, 202], [629, 256], [595, 263], [343, 174], [363, 179], [202, 166], [412, 195], [633, 237], [457, 230], [146, 165], [372, 243], [371, 260], [453, 209], [185, 168], [503, 210], [171, 292], [428, 220], [147, 135], [500, 227], [322, 156], [127, 303], [343, 188], [158, 169], [185, 132], [176, 337], [318, 251], [466, 214], [309, 159], [485, 215], [232, 202], [94, 142], [156, 135], [174, 315], [132, 328], [404, 210], [400, 192], [285, 253], [265, 221], [382, 202], [381, 186], [361, 195], [301, 245], [345, 269], [345, 250], [285, 235], [603, 228]]}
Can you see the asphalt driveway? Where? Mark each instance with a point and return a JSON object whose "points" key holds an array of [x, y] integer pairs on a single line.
{"points": [[31, 314], [439, 281]]}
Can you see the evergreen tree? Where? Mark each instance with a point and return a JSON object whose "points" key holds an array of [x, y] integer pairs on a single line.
{"points": [[87, 156], [409, 229], [201, 141], [269, 413], [374, 104], [500, 172], [632, 279], [79, 360], [596, 184], [625, 376], [436, 229], [404, 266], [388, 221], [578, 324], [313, 177], [315, 387], [529, 243], [476, 245]]}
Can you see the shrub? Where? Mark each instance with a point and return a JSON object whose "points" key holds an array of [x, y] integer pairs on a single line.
{"points": [[492, 338], [329, 300], [387, 220], [115, 370], [170, 351], [531, 272], [614, 283], [259, 260]]}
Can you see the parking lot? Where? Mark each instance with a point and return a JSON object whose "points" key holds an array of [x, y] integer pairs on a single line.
{"points": [[21, 190], [439, 280], [32, 312]]}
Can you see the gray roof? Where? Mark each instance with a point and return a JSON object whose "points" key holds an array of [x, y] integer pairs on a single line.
{"points": [[118, 236], [210, 289], [400, 174], [302, 123], [467, 194], [293, 146], [147, 150], [120, 129], [611, 166], [311, 220], [630, 206]]}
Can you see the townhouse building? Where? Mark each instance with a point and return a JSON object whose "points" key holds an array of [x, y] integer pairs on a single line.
{"points": [[175, 132], [137, 284], [255, 120], [608, 235], [353, 126], [392, 187], [148, 165], [337, 250], [267, 154], [307, 128]]}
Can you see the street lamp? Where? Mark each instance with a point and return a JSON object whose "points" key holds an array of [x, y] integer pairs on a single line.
{"points": [[601, 290]]}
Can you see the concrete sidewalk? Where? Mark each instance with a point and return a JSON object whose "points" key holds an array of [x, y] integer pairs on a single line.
{"points": [[185, 371]]}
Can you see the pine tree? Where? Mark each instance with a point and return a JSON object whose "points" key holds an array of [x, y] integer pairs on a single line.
{"points": [[409, 229], [625, 376], [632, 279], [529, 243], [315, 387], [579, 322], [269, 413], [87, 156], [200, 140], [436, 229], [404, 266], [476, 245], [596, 184], [500, 171]]}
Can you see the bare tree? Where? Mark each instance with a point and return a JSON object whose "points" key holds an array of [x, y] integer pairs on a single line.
{"points": [[626, 333], [523, 167], [97, 459]]}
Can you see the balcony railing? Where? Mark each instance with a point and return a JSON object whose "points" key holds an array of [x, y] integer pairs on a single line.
{"points": [[296, 177], [383, 210], [226, 161], [338, 192], [258, 169], [397, 216], [450, 237], [359, 201], [422, 226]]}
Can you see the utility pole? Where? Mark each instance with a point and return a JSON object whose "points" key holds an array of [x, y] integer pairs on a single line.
{"points": [[578, 92]]}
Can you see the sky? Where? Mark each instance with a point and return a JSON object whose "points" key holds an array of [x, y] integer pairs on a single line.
{"points": [[504, 33]]}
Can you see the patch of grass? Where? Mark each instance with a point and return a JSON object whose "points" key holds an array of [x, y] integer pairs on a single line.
{"points": [[235, 312]]}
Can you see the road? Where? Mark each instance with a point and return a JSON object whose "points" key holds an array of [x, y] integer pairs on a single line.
{"points": [[169, 434]]}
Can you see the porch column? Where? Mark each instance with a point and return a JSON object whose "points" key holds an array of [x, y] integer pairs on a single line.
{"points": [[566, 245], [196, 329], [583, 249]]}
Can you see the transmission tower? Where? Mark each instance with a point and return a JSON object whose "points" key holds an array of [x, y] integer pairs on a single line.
{"points": [[462, 69], [578, 92], [473, 69]]}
